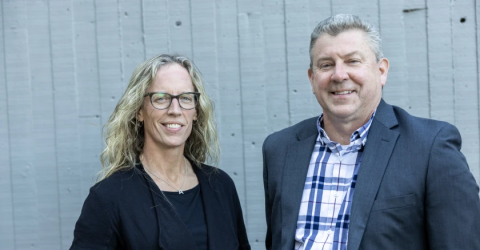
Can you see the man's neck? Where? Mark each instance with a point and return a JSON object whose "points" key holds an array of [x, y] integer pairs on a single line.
{"points": [[341, 131]]}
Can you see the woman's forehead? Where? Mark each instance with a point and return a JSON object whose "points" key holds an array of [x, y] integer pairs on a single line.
{"points": [[171, 77]]}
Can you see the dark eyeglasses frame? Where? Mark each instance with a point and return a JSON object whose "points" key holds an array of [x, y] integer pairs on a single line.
{"points": [[196, 95]]}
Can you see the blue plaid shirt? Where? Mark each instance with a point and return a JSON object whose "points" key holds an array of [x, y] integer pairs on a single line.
{"points": [[324, 214]]}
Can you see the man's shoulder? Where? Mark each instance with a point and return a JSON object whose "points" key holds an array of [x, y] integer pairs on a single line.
{"points": [[409, 121], [422, 131], [295, 132]]}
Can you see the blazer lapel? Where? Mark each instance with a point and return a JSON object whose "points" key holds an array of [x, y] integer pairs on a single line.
{"points": [[380, 143], [294, 175]]}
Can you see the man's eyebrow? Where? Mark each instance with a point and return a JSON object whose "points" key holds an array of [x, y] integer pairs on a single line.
{"points": [[325, 58], [352, 53], [346, 55]]}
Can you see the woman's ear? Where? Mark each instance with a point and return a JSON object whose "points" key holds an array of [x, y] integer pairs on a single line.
{"points": [[140, 115]]}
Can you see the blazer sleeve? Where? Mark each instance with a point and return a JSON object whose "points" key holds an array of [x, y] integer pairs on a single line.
{"points": [[94, 229], [452, 203], [268, 205]]}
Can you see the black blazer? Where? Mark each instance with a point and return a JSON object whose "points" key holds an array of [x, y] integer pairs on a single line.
{"points": [[127, 211], [414, 189]]}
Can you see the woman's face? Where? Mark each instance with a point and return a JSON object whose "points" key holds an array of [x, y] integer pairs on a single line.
{"points": [[168, 128]]}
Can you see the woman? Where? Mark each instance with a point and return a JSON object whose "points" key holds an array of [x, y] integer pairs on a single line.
{"points": [[155, 192]]}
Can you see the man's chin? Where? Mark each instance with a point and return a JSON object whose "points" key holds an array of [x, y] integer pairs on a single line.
{"points": [[343, 114]]}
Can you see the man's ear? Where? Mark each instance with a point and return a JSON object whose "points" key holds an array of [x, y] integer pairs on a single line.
{"points": [[383, 67], [310, 77]]}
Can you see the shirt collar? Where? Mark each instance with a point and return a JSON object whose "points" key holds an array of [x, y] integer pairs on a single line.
{"points": [[361, 133]]}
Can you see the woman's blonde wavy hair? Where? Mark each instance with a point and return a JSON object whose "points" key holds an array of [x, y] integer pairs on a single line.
{"points": [[124, 134]]}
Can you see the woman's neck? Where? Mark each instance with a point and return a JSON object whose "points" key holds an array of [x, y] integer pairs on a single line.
{"points": [[165, 161]]}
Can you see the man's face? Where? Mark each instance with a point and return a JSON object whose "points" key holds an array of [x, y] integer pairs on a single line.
{"points": [[346, 78]]}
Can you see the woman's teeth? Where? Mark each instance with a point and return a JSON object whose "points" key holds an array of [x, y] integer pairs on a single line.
{"points": [[173, 125]]}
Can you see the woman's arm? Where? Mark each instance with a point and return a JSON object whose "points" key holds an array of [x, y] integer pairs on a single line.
{"points": [[241, 230], [94, 229]]}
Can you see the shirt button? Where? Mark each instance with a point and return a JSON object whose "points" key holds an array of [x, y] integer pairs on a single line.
{"points": [[329, 231]]}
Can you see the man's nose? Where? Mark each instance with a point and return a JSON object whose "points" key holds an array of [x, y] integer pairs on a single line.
{"points": [[339, 74], [174, 108]]}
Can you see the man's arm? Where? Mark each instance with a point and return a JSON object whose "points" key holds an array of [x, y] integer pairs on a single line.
{"points": [[452, 204], [268, 204]]}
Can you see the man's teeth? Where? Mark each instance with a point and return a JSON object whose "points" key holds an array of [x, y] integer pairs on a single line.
{"points": [[343, 92], [173, 125]]}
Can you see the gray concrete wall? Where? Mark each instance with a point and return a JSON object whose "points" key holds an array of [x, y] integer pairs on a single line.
{"points": [[64, 65]]}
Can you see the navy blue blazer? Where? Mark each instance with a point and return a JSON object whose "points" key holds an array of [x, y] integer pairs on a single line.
{"points": [[128, 211], [414, 189]]}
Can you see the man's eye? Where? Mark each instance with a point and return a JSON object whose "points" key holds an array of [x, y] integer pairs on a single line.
{"points": [[325, 65]]}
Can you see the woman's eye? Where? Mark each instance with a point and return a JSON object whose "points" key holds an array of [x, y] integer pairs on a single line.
{"points": [[186, 98], [160, 98]]}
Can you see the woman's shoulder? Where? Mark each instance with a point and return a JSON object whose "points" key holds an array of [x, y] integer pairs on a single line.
{"points": [[216, 176], [118, 183]]}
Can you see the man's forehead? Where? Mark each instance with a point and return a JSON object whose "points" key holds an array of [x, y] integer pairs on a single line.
{"points": [[347, 43], [352, 35], [352, 31]]}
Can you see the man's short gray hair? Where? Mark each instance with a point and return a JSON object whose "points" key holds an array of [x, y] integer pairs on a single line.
{"points": [[337, 24]]}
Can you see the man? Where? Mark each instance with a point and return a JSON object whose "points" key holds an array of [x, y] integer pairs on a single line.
{"points": [[365, 175]]}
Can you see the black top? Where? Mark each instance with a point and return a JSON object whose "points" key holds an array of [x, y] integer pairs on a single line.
{"points": [[189, 207], [128, 211]]}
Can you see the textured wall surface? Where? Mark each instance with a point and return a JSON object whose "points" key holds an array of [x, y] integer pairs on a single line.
{"points": [[64, 65]]}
